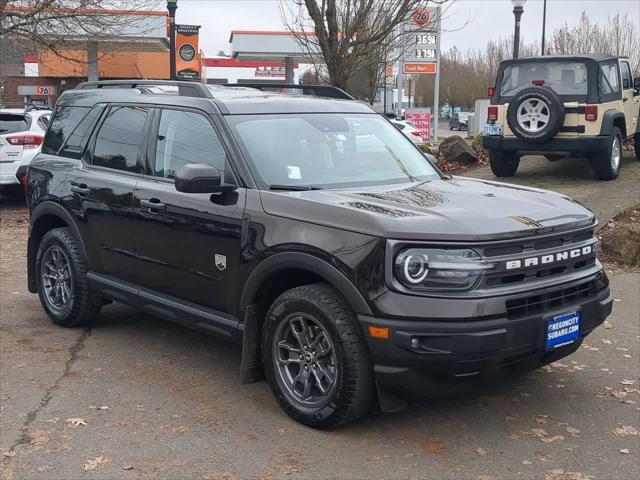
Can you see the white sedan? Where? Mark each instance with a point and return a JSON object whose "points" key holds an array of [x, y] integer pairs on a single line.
{"points": [[21, 135], [409, 130]]}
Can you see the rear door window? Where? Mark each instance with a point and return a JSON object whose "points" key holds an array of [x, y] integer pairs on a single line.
{"points": [[609, 81], [12, 123], [119, 141], [64, 122]]}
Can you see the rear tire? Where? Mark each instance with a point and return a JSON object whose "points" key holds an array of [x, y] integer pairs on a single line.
{"points": [[317, 332], [61, 276], [636, 145], [503, 164], [606, 164]]}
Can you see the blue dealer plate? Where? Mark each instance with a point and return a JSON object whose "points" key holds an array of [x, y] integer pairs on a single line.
{"points": [[563, 329]]}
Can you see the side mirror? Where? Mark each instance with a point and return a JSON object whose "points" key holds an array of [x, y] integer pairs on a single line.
{"points": [[200, 178], [636, 85]]}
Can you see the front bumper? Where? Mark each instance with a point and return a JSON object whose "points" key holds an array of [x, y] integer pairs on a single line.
{"points": [[420, 357], [568, 145]]}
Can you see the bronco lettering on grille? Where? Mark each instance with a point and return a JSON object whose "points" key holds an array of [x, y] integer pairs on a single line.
{"points": [[548, 259]]}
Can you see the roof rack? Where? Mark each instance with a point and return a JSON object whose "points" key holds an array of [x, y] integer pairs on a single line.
{"points": [[185, 89], [318, 90]]}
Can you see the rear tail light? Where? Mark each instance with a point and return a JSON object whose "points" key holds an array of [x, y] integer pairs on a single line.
{"points": [[591, 113], [538, 83], [26, 141], [492, 114], [491, 91]]}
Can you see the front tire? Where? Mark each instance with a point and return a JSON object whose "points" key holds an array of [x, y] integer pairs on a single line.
{"points": [[316, 359], [503, 164], [61, 275], [636, 145], [606, 164]]}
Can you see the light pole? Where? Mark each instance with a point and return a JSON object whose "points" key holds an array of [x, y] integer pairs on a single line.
{"points": [[544, 25], [518, 10], [172, 6]]}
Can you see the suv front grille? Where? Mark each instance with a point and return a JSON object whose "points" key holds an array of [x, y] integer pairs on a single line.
{"points": [[537, 249], [541, 303]]}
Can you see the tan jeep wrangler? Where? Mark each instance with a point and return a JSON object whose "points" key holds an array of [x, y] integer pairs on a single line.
{"points": [[558, 106]]}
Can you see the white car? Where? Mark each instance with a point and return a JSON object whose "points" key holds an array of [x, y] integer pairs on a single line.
{"points": [[21, 135], [409, 130]]}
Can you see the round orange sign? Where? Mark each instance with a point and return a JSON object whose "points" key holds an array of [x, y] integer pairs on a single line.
{"points": [[421, 16]]}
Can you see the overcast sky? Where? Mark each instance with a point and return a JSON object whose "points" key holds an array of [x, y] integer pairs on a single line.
{"points": [[484, 19]]}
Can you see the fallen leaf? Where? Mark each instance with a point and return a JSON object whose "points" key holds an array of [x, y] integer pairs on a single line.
{"points": [[127, 467], [624, 450], [541, 419], [77, 422], [607, 324], [624, 431], [39, 438], [573, 431], [481, 451], [92, 464], [9, 454], [606, 341], [527, 462], [434, 446], [626, 355], [552, 439], [627, 382]]}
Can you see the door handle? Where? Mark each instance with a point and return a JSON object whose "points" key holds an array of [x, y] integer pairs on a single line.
{"points": [[81, 189], [153, 204]]}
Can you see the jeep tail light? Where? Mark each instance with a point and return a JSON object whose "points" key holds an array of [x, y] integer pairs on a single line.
{"points": [[27, 140], [491, 91], [591, 113], [492, 114]]}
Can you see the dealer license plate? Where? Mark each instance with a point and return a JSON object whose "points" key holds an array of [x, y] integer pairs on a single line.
{"points": [[492, 129], [563, 329]]}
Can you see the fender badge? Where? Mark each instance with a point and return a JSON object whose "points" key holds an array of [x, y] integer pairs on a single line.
{"points": [[221, 262]]}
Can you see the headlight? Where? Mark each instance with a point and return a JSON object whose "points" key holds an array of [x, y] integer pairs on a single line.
{"points": [[432, 269]]}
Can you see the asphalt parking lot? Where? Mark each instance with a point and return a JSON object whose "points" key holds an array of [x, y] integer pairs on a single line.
{"points": [[137, 397]]}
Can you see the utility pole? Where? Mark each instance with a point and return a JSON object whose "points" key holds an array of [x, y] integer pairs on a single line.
{"points": [[172, 6]]}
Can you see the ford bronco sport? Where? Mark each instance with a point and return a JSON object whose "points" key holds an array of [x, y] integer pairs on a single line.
{"points": [[311, 231], [557, 106]]}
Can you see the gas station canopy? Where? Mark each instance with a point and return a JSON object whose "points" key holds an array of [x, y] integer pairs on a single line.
{"points": [[255, 45]]}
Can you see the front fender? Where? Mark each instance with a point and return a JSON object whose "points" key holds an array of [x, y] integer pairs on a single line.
{"points": [[304, 261]]}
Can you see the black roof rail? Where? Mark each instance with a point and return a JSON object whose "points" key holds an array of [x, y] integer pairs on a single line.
{"points": [[185, 89], [319, 90]]}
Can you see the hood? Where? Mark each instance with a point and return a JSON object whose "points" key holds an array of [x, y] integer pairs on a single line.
{"points": [[457, 209]]}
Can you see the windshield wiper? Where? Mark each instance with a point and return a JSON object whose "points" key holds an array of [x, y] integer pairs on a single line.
{"points": [[294, 188]]}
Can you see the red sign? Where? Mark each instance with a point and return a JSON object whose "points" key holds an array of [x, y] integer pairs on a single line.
{"points": [[423, 67], [422, 121], [421, 16]]}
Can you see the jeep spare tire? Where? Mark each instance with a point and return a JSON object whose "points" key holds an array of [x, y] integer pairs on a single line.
{"points": [[535, 114]]}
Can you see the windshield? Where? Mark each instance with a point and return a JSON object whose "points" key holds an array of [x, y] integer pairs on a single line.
{"points": [[329, 150], [565, 78]]}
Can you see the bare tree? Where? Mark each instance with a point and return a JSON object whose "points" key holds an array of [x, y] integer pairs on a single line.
{"points": [[350, 36], [61, 26]]}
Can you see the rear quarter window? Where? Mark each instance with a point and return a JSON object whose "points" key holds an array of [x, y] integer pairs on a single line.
{"points": [[12, 123], [63, 123]]}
